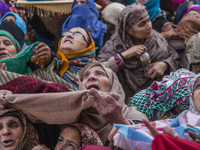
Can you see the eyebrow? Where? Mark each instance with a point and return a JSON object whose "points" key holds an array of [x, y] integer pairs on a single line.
{"points": [[69, 141]]}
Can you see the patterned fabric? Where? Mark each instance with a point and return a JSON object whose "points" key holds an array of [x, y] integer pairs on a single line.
{"points": [[153, 7], [84, 16], [18, 63], [139, 137], [132, 75], [25, 85], [29, 137], [163, 96], [70, 63], [3, 9], [89, 136]]}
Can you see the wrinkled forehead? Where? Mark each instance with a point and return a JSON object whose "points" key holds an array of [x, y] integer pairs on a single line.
{"points": [[80, 30], [94, 68]]}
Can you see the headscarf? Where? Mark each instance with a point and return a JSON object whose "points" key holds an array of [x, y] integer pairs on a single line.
{"points": [[84, 16], [133, 72], [111, 12], [29, 137], [16, 32], [187, 27], [192, 51], [191, 85], [3, 9], [71, 63], [88, 136], [19, 21], [153, 7], [194, 7]]}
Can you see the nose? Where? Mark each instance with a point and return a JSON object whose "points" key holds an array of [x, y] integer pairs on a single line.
{"points": [[62, 147], [1, 45], [6, 131], [92, 77], [149, 25]]}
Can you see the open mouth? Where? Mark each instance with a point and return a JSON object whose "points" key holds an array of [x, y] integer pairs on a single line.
{"points": [[3, 54], [68, 41], [93, 86], [8, 142]]}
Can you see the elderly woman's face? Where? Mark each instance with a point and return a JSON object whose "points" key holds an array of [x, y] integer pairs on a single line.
{"points": [[74, 40], [80, 2], [96, 78], [141, 2], [196, 95], [141, 30], [194, 14], [7, 48], [69, 139], [11, 132]]}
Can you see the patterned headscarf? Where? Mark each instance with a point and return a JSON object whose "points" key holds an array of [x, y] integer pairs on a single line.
{"points": [[153, 7], [191, 85], [192, 51], [84, 16], [19, 21], [3, 9], [29, 137], [88, 136]]}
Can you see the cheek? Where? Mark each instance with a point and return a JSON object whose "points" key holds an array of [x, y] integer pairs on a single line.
{"points": [[196, 98], [12, 50]]}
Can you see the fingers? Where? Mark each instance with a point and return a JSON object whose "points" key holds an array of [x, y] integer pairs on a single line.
{"points": [[112, 134], [43, 52], [170, 131], [3, 66], [151, 128]]}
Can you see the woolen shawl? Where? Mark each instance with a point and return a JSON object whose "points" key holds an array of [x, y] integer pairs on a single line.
{"points": [[84, 16], [157, 47], [187, 27], [70, 107], [191, 87], [29, 137]]}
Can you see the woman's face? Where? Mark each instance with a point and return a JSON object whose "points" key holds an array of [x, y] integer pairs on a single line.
{"points": [[196, 95], [141, 30], [96, 78], [80, 2], [141, 2], [69, 139], [7, 48], [11, 132], [74, 40], [10, 18], [194, 14]]}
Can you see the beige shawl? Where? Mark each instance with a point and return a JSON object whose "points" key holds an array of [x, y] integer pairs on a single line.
{"points": [[69, 107]]}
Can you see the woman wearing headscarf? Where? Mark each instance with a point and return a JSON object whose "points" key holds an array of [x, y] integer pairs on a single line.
{"points": [[3, 9], [134, 35], [17, 132], [157, 16], [84, 15], [81, 106], [15, 19]]}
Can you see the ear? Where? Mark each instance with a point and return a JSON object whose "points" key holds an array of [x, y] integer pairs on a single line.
{"points": [[128, 30]]}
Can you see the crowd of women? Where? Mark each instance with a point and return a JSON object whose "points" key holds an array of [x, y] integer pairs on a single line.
{"points": [[91, 86]]}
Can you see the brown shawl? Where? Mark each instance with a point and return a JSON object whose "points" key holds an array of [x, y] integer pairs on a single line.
{"points": [[132, 75], [187, 27], [29, 137], [69, 107]]}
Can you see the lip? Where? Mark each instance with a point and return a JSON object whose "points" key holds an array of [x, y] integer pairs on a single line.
{"points": [[8, 142], [93, 86], [150, 32], [2, 54], [67, 40]]}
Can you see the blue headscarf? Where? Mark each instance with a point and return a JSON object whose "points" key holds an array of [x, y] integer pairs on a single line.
{"points": [[19, 21], [153, 7], [84, 16]]}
